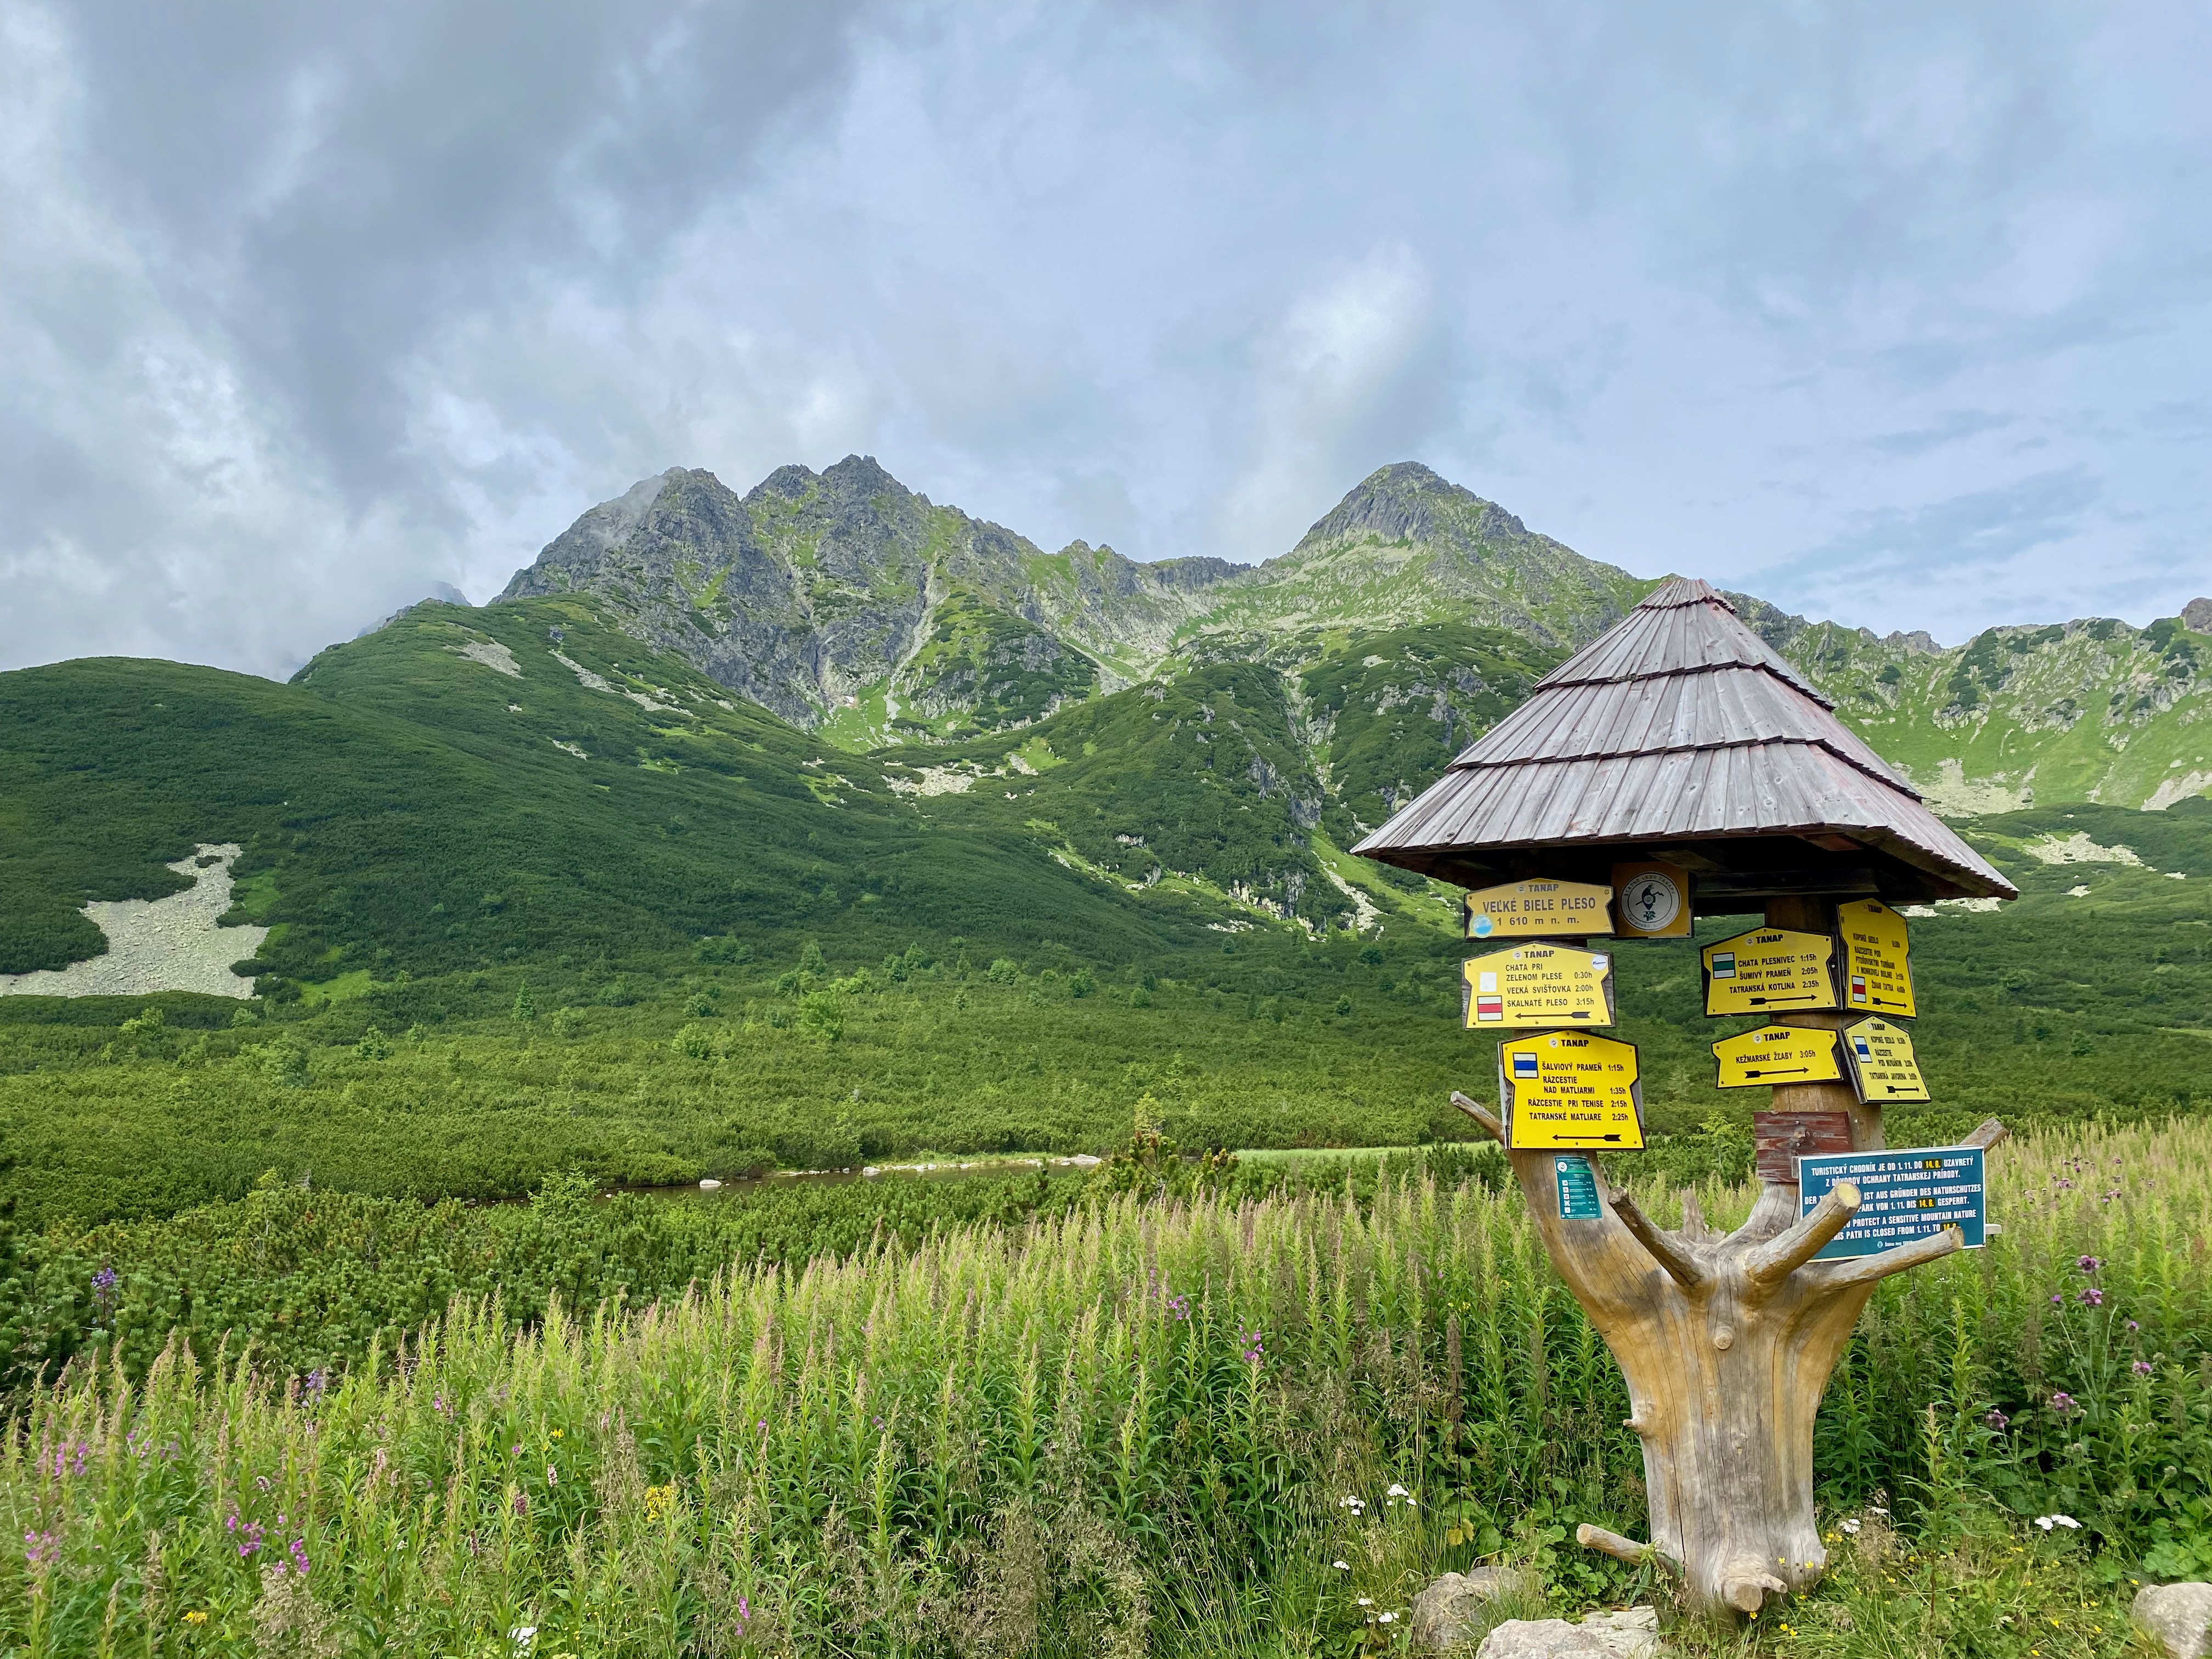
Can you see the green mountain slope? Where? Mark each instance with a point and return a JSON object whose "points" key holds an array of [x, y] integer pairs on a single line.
{"points": [[1404, 547], [815, 593], [475, 788], [2091, 711], [847, 603]]}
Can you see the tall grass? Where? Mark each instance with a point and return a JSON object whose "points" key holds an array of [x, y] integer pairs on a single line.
{"points": [[1080, 1434]]}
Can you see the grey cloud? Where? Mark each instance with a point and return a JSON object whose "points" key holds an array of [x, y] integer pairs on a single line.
{"points": [[1958, 424], [307, 308], [1986, 524]]}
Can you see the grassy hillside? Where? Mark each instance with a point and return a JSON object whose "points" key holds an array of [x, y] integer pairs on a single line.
{"points": [[2058, 1008], [542, 899], [2091, 711], [407, 806]]}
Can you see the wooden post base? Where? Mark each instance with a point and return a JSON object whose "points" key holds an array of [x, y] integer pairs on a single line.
{"points": [[1727, 1344]]}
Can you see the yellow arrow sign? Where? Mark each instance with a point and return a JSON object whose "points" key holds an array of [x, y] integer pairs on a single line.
{"points": [[1877, 972], [1540, 909], [1779, 1053], [1769, 969], [1569, 1089], [1882, 1065], [1537, 985]]}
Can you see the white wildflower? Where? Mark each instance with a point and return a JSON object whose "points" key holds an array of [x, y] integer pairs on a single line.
{"points": [[1397, 1491], [1850, 1526], [1344, 1566]]}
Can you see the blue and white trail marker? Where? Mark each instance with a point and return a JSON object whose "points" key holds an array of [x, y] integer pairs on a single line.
{"points": [[1904, 1195]]}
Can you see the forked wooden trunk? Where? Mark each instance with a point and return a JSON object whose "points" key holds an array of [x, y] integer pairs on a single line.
{"points": [[1727, 1344]]}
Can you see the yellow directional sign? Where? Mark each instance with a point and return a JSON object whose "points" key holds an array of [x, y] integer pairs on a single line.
{"points": [[1877, 973], [1569, 1089], [1538, 909], [1537, 985], [1779, 1053], [1768, 969], [1883, 1068]]}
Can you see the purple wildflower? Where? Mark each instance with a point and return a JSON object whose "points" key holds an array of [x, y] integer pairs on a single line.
{"points": [[2142, 1368], [2093, 1297], [2057, 1300], [2061, 1402], [38, 1549], [317, 1379], [2089, 1264], [2133, 1325], [522, 1503], [1996, 1419], [103, 1290]]}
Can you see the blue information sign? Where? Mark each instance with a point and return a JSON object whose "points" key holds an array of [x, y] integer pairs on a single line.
{"points": [[1578, 1199], [1904, 1195]]}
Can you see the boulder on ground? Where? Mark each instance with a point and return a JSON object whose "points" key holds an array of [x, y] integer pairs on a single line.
{"points": [[1450, 1611], [1633, 1633], [2179, 1615]]}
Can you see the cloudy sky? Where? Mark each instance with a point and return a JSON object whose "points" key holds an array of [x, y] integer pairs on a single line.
{"points": [[1897, 313]]}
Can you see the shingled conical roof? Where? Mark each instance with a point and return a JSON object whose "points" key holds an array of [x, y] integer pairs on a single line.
{"points": [[1679, 734]]}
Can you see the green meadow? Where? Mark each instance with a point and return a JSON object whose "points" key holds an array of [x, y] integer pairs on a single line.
{"points": [[338, 1319], [1228, 1417]]}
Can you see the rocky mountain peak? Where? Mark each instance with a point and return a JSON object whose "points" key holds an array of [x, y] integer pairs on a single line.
{"points": [[859, 475], [1408, 501]]}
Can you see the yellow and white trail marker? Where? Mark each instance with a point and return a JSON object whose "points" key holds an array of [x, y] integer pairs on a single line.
{"points": [[1877, 971], [1537, 985], [1779, 1053], [1882, 1065], [1769, 969], [1570, 1091]]}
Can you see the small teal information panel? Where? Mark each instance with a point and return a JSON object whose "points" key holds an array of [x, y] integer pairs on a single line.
{"points": [[1578, 1199], [1905, 1195]]}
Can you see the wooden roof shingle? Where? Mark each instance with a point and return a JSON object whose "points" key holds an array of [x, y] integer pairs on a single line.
{"points": [[1679, 734]]}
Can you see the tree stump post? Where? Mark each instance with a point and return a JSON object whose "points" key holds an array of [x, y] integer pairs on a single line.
{"points": [[1727, 1344]]}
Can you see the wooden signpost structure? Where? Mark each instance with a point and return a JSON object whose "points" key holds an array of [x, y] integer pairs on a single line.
{"points": [[1679, 743]]}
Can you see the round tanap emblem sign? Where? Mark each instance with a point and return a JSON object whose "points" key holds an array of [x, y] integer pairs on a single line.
{"points": [[1650, 902]]}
